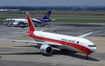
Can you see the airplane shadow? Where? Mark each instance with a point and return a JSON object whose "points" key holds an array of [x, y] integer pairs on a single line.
{"points": [[73, 54], [55, 52], [22, 53]]}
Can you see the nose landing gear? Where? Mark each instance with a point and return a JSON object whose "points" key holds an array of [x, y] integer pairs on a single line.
{"points": [[86, 57]]}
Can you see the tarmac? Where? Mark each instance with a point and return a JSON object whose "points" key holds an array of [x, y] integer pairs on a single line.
{"points": [[16, 53]]}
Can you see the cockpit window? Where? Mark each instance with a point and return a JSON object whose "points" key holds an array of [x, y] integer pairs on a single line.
{"points": [[91, 45]]}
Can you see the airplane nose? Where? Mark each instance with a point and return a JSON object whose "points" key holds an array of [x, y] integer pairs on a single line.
{"points": [[94, 49]]}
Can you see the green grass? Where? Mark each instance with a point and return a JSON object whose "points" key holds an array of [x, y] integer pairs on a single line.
{"points": [[2, 18], [65, 16], [53, 16], [56, 16], [79, 20], [59, 14], [71, 20]]}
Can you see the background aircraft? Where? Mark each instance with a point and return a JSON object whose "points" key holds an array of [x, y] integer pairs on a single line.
{"points": [[23, 22], [63, 42], [43, 21], [16, 22]]}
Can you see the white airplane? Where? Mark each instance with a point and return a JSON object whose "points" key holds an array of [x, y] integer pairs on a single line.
{"points": [[16, 22], [22, 22], [63, 42]]}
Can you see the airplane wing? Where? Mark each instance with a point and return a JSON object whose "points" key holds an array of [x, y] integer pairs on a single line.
{"points": [[24, 41], [34, 42], [84, 35]]}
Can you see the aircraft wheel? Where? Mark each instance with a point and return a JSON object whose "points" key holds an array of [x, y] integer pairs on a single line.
{"points": [[87, 57]]}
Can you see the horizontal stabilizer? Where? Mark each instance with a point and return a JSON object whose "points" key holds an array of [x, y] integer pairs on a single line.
{"points": [[53, 19]]}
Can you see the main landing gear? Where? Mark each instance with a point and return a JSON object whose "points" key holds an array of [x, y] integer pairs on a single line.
{"points": [[86, 57]]}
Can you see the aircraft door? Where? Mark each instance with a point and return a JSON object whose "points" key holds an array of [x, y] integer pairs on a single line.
{"points": [[80, 46]]}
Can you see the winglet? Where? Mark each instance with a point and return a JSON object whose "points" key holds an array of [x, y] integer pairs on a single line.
{"points": [[30, 24]]}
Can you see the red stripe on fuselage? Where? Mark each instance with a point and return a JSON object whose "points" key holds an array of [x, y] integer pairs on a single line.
{"points": [[74, 45]]}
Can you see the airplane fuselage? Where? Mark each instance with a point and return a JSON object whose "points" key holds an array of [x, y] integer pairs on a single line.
{"points": [[67, 42], [41, 20]]}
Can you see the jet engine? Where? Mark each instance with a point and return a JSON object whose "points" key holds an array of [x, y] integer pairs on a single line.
{"points": [[46, 49]]}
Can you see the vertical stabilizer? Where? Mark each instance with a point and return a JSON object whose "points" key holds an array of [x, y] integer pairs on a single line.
{"points": [[30, 24], [47, 15]]}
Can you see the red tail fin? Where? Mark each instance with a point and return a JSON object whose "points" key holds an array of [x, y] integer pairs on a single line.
{"points": [[30, 24]]}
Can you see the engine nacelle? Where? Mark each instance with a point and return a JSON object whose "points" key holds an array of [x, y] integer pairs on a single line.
{"points": [[46, 49]]}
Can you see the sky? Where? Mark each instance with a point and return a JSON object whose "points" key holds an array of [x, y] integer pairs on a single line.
{"points": [[52, 2]]}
